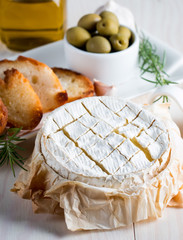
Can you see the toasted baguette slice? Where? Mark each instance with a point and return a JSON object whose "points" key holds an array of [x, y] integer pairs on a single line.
{"points": [[42, 79], [3, 116], [23, 104], [76, 85]]}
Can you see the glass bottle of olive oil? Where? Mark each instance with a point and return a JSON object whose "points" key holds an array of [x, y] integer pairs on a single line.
{"points": [[26, 24]]}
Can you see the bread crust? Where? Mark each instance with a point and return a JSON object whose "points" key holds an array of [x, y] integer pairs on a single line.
{"points": [[31, 60], [41, 77], [3, 116], [81, 85], [23, 104]]}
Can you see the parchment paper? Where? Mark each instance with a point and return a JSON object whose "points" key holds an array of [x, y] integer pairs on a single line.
{"points": [[89, 207]]}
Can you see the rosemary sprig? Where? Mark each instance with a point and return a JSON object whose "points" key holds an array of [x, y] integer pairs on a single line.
{"points": [[150, 62], [8, 149]]}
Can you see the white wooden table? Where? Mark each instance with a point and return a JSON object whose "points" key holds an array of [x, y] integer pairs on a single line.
{"points": [[163, 19]]}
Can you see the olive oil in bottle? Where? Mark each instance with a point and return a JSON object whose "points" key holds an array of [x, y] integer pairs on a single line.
{"points": [[26, 24]]}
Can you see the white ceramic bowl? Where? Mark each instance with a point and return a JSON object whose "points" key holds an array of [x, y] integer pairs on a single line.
{"points": [[109, 68]]}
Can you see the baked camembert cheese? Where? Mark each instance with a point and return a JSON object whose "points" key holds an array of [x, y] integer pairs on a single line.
{"points": [[106, 162], [100, 141]]}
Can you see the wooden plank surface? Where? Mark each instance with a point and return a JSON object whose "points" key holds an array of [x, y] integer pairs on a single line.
{"points": [[163, 19]]}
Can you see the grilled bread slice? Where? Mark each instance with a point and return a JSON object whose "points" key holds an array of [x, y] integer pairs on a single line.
{"points": [[42, 79], [76, 85], [3, 116], [23, 104]]}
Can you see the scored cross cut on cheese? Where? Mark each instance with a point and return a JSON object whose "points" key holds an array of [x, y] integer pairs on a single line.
{"points": [[129, 130], [140, 161], [114, 139], [111, 133], [143, 139], [59, 138], [126, 114], [114, 161], [104, 156], [99, 151], [102, 129], [76, 111], [88, 121], [128, 149], [75, 130], [113, 105], [100, 111], [88, 140], [62, 118]]}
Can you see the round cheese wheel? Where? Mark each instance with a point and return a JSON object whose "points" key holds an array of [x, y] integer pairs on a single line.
{"points": [[106, 162], [104, 142]]}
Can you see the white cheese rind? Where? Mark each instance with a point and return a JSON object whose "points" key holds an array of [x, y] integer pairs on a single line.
{"points": [[129, 130], [116, 137], [61, 118], [88, 140], [75, 130], [88, 121], [75, 110]]}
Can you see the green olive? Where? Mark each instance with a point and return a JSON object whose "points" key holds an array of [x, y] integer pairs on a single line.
{"points": [[108, 14], [77, 36], [119, 42], [89, 21], [98, 44], [107, 27], [125, 32]]}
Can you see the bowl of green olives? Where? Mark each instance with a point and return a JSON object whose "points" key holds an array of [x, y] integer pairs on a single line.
{"points": [[101, 48]]}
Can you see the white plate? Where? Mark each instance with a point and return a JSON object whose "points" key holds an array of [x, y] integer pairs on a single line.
{"points": [[53, 55]]}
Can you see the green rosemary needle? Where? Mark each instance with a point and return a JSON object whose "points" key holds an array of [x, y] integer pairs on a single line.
{"points": [[8, 149], [151, 63]]}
